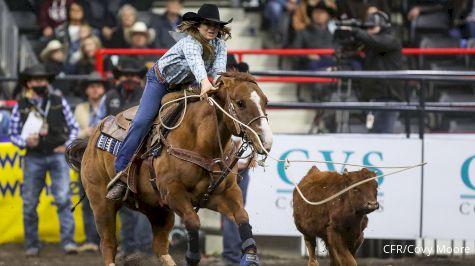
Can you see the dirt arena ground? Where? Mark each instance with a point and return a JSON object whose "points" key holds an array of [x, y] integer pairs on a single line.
{"points": [[51, 255]]}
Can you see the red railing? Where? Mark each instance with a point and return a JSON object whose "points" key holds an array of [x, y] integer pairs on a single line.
{"points": [[284, 52]]}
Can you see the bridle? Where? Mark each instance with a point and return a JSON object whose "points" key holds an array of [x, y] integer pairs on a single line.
{"points": [[240, 132]]}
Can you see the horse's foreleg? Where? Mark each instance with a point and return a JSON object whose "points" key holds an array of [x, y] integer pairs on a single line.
{"points": [[181, 203], [230, 204], [162, 223]]}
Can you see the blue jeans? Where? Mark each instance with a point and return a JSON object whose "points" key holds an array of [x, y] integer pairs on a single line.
{"points": [[135, 232], [34, 180], [148, 109], [231, 238], [88, 219]]}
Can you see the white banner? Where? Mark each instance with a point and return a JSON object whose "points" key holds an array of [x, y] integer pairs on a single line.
{"points": [[270, 192], [449, 187]]}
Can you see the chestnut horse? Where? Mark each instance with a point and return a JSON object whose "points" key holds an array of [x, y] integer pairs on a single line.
{"points": [[182, 183]]}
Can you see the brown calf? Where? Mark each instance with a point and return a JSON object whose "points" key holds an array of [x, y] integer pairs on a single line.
{"points": [[339, 222]]}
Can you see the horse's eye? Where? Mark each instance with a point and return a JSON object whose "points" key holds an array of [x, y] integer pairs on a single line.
{"points": [[241, 104]]}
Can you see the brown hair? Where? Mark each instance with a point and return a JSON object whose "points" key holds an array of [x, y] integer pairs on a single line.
{"points": [[191, 27]]}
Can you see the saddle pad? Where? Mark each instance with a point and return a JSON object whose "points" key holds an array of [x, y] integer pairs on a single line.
{"points": [[108, 144]]}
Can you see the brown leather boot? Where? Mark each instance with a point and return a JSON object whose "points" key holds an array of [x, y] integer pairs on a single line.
{"points": [[117, 191]]}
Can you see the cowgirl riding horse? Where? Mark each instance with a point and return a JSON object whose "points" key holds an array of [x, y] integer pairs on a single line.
{"points": [[181, 183]]}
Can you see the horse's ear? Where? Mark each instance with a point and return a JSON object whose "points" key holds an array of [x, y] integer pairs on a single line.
{"points": [[225, 82]]}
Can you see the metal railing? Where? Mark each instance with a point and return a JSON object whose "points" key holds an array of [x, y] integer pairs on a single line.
{"points": [[9, 40]]}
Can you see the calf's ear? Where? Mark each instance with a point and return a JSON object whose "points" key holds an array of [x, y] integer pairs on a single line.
{"points": [[314, 170]]}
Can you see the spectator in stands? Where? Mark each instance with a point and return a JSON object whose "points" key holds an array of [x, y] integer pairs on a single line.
{"points": [[383, 51], [87, 63], [166, 22], [85, 31], [277, 13], [127, 18], [142, 37], [53, 57], [69, 33], [45, 148], [52, 13], [100, 15], [302, 16], [87, 116], [136, 231], [464, 19], [316, 35]]}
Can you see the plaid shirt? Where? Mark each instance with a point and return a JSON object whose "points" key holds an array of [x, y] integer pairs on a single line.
{"points": [[184, 63], [14, 130]]}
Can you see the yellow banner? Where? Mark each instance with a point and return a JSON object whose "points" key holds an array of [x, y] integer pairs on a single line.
{"points": [[11, 204]]}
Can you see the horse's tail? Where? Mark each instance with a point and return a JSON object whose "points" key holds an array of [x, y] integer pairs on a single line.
{"points": [[74, 153]]}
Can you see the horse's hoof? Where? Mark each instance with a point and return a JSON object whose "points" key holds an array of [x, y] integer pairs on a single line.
{"points": [[166, 260], [111, 264], [249, 260]]}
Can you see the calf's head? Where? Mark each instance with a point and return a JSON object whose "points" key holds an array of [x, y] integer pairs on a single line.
{"points": [[363, 198]]}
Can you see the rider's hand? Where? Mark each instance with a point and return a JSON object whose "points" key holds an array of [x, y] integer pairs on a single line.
{"points": [[206, 87]]}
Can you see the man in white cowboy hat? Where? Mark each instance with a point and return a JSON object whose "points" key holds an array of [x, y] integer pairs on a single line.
{"points": [[53, 51], [141, 37]]}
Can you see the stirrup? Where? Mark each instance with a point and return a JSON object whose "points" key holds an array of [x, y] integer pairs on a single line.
{"points": [[116, 189]]}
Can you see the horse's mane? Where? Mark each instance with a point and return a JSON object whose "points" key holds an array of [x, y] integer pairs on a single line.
{"points": [[242, 76]]}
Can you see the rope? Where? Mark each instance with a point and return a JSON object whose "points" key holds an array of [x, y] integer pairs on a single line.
{"points": [[350, 187], [287, 162], [183, 114]]}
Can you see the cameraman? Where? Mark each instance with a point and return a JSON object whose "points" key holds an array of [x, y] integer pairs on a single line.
{"points": [[383, 51]]}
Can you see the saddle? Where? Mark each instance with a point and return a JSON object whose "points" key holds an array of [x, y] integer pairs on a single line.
{"points": [[116, 128]]}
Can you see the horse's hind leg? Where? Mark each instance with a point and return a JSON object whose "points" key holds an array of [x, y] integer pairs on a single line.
{"points": [[230, 204], [105, 217], [162, 222]]}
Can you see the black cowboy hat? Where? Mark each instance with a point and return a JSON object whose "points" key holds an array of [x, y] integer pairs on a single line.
{"points": [[129, 65], [94, 77], [206, 12], [36, 71]]}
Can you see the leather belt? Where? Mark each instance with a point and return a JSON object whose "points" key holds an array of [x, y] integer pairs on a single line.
{"points": [[159, 75]]}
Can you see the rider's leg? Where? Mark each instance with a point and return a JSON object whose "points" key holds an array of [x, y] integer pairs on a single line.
{"points": [[148, 109]]}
